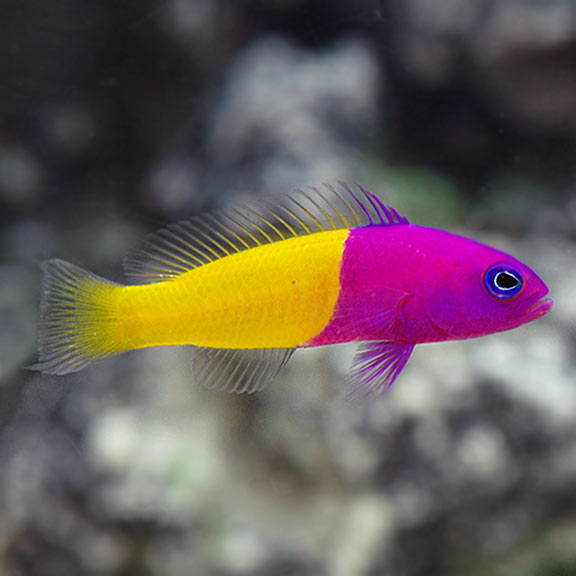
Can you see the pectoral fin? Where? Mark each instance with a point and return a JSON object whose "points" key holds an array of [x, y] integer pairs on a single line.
{"points": [[376, 366]]}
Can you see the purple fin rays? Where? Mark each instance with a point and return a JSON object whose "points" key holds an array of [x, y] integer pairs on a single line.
{"points": [[386, 214], [376, 365]]}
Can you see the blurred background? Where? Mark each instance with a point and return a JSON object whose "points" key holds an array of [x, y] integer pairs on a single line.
{"points": [[120, 116]]}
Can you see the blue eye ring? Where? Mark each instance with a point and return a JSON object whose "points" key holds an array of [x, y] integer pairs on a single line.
{"points": [[503, 281]]}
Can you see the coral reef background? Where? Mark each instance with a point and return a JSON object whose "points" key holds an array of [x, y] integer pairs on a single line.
{"points": [[119, 116]]}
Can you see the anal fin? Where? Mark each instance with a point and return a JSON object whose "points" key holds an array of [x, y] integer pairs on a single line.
{"points": [[239, 371]]}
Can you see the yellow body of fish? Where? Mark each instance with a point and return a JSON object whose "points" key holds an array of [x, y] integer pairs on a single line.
{"points": [[244, 287], [273, 296]]}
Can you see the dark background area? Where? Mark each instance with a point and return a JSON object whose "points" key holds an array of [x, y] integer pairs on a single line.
{"points": [[118, 117]]}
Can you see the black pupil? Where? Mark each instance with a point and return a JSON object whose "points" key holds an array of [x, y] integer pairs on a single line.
{"points": [[505, 280]]}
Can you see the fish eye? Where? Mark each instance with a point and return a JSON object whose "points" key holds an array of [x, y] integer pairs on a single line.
{"points": [[504, 282]]}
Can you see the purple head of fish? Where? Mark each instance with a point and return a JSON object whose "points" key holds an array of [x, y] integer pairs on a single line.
{"points": [[478, 290], [415, 284]]}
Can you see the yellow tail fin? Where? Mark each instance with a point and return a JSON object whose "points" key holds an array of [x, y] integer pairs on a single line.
{"points": [[78, 322]]}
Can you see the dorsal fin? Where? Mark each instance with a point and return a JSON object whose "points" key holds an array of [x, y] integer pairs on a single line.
{"points": [[199, 240]]}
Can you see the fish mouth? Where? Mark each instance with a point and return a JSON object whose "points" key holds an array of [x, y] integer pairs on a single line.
{"points": [[535, 309]]}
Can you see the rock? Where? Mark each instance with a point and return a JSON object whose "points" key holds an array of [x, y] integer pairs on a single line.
{"points": [[511, 49], [486, 86], [291, 117]]}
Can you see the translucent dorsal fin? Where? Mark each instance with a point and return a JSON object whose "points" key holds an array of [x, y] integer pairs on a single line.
{"points": [[199, 240]]}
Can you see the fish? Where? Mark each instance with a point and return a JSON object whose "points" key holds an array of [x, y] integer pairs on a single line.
{"points": [[247, 286]]}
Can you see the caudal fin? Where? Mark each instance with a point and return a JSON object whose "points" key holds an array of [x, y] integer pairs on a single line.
{"points": [[78, 319]]}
